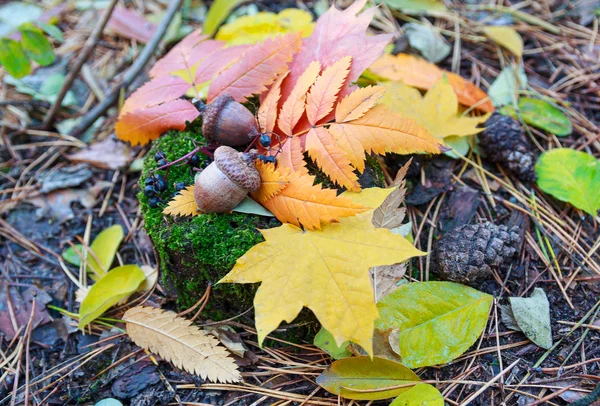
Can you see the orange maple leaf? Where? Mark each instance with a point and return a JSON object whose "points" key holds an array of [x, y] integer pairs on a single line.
{"points": [[294, 106], [325, 90], [256, 69], [272, 181], [419, 73], [302, 203], [267, 112], [183, 204]]}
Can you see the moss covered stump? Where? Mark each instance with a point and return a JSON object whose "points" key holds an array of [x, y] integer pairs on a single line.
{"points": [[194, 251]]}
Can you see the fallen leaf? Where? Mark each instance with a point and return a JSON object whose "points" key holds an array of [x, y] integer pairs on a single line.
{"points": [[421, 394], [256, 69], [331, 267], [506, 37], [187, 53], [229, 338], [419, 73], [570, 176], [292, 157], [267, 112], [272, 181], [506, 86], [151, 278], [105, 154], [385, 279], [155, 92], [437, 321], [324, 92], [108, 290], [15, 309], [428, 41], [532, 315], [104, 248], [249, 206], [325, 341], [416, 6], [183, 204], [64, 177], [363, 378], [541, 114], [70, 254], [130, 24], [218, 12], [179, 342], [357, 103]]}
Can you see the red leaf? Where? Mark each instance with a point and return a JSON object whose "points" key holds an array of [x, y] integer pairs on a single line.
{"points": [[256, 69], [267, 112], [217, 61], [130, 24], [155, 92]]}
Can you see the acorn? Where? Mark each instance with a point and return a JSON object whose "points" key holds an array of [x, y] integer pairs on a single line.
{"points": [[227, 122], [226, 181]]}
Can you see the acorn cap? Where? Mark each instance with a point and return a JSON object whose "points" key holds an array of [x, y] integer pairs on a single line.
{"points": [[241, 172], [210, 115]]}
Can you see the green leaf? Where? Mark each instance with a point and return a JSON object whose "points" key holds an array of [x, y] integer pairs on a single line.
{"points": [[51, 30], [416, 6], [13, 58], [428, 41], [105, 247], [437, 321], [71, 256], [114, 286], [249, 206], [420, 395], [571, 176], [325, 341], [218, 12], [532, 315], [506, 37], [36, 44], [505, 89], [348, 376], [48, 90], [542, 115]]}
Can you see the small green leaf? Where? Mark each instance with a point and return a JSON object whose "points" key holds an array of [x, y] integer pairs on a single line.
{"points": [[249, 206], [114, 286], [420, 395], [13, 58], [218, 12], [105, 247], [428, 41], [437, 321], [505, 89], [532, 315], [36, 44], [325, 341], [348, 376], [416, 6], [71, 256], [571, 176], [543, 115], [51, 30]]}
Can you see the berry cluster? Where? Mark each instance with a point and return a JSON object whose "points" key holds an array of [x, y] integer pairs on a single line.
{"points": [[155, 184]]}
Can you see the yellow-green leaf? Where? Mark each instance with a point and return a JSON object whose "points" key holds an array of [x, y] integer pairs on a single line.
{"points": [[506, 37], [325, 341], [541, 114], [361, 378], [420, 395], [114, 286], [217, 13], [105, 247], [13, 58], [36, 44], [571, 176], [416, 6], [435, 322]]}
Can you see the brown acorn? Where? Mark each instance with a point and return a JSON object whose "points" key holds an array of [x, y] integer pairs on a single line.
{"points": [[227, 122], [226, 181]]}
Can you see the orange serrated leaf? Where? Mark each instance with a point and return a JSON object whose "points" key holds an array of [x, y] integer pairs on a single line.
{"points": [[302, 203], [324, 92], [183, 204], [382, 131], [155, 92], [332, 160], [291, 156], [419, 73], [257, 68], [272, 181], [357, 103], [267, 112], [144, 125], [294, 106]]}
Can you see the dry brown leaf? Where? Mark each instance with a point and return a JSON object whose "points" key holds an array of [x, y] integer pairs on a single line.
{"points": [[183, 204], [105, 154], [390, 215], [185, 346], [385, 278]]}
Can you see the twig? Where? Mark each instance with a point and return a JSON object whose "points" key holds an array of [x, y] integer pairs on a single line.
{"points": [[91, 116], [83, 56]]}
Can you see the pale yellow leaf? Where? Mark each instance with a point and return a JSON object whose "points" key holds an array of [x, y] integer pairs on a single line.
{"points": [[357, 103], [183, 204], [506, 37]]}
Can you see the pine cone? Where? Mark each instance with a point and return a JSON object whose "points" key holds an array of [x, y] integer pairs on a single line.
{"points": [[504, 141], [466, 253]]}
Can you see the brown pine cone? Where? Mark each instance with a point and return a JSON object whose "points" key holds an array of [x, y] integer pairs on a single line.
{"points": [[504, 141], [466, 253]]}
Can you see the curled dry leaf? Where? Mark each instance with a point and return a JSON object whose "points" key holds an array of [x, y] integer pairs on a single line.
{"points": [[184, 345]]}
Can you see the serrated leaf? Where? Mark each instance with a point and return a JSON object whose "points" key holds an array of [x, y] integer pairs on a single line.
{"points": [[36, 44], [272, 181], [291, 156], [331, 159], [428, 41], [532, 314], [325, 341], [326, 271], [324, 92], [108, 290], [506, 37], [184, 345], [183, 204], [13, 58], [256, 69], [104, 247], [543, 115], [571, 176], [294, 106], [267, 112], [218, 12], [155, 92], [303, 203], [183, 56], [357, 103], [348, 376], [419, 73], [420, 395], [437, 321]]}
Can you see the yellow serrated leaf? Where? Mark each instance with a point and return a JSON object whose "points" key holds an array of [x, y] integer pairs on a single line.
{"points": [[183, 204], [357, 103], [324, 270], [506, 37], [272, 181]]}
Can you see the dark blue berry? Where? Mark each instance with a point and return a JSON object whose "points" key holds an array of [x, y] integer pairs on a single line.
{"points": [[158, 156], [179, 186], [194, 161], [161, 162], [153, 202], [160, 183], [264, 140], [149, 181], [149, 191]]}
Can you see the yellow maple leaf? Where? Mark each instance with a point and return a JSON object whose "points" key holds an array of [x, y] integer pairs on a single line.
{"points": [[325, 270], [183, 204], [437, 111]]}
